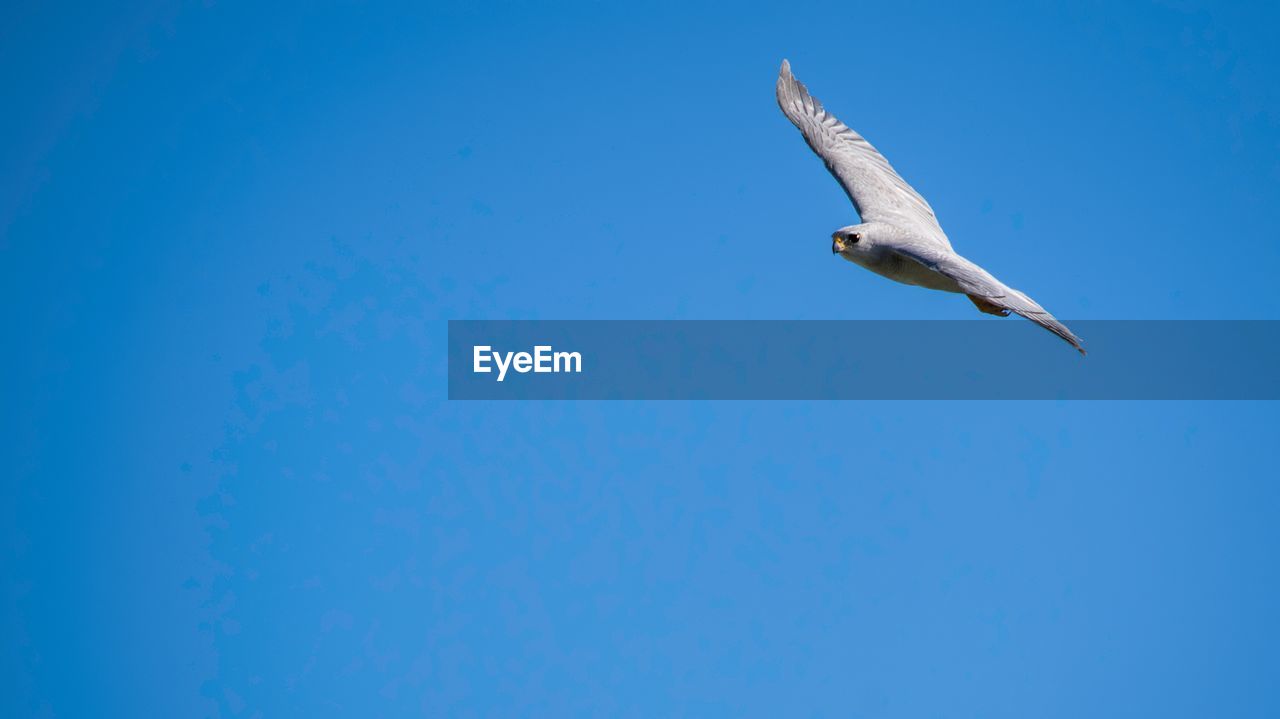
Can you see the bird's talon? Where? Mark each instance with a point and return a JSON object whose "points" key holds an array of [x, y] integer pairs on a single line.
{"points": [[989, 308]]}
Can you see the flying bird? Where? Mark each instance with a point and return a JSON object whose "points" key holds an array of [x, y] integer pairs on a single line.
{"points": [[899, 236]]}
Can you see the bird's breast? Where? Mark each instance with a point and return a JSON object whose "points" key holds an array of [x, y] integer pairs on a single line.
{"points": [[901, 269]]}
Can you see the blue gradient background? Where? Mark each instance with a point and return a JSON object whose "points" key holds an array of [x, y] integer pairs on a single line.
{"points": [[231, 237]]}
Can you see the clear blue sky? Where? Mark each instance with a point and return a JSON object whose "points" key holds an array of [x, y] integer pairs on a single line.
{"points": [[230, 238]]}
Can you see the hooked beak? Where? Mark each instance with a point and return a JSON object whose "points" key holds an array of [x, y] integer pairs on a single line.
{"points": [[837, 245]]}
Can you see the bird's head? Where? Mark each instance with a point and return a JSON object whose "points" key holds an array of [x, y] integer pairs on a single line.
{"points": [[852, 240]]}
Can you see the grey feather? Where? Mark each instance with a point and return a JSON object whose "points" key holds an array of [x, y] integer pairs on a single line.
{"points": [[878, 192], [974, 280], [906, 225]]}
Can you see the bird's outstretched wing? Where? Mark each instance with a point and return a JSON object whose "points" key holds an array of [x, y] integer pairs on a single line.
{"points": [[978, 282], [878, 193]]}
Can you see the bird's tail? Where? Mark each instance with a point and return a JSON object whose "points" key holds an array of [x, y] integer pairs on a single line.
{"points": [[1018, 303]]}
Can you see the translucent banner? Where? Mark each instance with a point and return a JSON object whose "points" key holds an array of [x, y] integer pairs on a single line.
{"points": [[996, 359]]}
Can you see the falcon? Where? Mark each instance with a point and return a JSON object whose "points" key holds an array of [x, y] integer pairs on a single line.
{"points": [[899, 236]]}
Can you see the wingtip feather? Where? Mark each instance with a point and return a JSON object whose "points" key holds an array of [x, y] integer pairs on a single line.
{"points": [[793, 96], [786, 88]]}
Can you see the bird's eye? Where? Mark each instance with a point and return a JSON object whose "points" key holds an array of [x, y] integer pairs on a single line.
{"points": [[855, 237]]}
